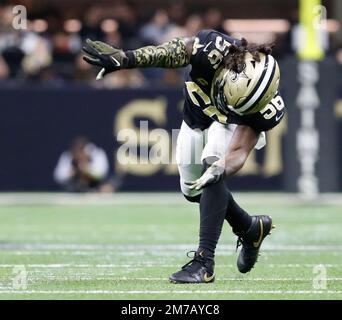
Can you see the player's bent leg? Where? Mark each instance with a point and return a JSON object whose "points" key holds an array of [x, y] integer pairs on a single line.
{"points": [[200, 269], [247, 228], [251, 241], [216, 204], [188, 156], [251, 231], [213, 206], [237, 217]]}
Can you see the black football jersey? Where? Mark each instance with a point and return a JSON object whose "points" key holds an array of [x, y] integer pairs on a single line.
{"points": [[210, 47]]}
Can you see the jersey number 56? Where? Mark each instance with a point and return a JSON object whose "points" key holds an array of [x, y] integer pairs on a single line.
{"points": [[276, 104]]}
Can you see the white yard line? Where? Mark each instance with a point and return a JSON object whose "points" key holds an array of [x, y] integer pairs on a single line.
{"points": [[91, 198], [142, 264], [171, 256], [151, 265], [165, 279], [155, 248], [157, 198], [138, 292]]}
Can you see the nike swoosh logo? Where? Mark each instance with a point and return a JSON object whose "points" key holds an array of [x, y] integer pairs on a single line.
{"points": [[117, 63], [280, 116], [206, 47], [208, 278], [257, 244]]}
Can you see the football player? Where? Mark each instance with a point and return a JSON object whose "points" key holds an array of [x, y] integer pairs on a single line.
{"points": [[231, 99]]}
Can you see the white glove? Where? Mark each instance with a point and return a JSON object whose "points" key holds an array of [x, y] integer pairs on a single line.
{"points": [[212, 175]]}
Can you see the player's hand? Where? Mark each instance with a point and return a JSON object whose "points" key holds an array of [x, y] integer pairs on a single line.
{"points": [[212, 175], [101, 54]]}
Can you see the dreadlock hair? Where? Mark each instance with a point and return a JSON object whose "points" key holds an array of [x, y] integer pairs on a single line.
{"points": [[235, 60]]}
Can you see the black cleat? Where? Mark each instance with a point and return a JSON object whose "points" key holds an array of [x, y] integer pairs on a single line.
{"points": [[199, 270], [251, 240]]}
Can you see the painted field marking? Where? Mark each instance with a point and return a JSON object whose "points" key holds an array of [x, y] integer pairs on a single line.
{"points": [[156, 248], [138, 292], [154, 198], [153, 265], [86, 278]]}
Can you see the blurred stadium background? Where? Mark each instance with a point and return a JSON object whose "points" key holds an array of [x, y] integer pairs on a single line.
{"points": [[50, 103]]}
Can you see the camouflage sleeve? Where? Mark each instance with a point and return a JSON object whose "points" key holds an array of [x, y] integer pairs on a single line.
{"points": [[172, 54]]}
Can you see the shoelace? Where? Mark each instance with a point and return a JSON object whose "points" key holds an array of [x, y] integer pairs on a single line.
{"points": [[196, 258]]}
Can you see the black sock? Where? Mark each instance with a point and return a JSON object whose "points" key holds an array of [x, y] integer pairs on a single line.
{"points": [[213, 209], [217, 204], [238, 218]]}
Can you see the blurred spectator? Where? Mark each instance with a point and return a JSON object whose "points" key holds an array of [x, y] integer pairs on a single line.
{"points": [[65, 47], [91, 27], [177, 13], [49, 50], [154, 32], [112, 34], [24, 52], [213, 20], [37, 55], [128, 28], [193, 25], [84, 167]]}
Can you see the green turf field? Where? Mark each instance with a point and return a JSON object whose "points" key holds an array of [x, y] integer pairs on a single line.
{"points": [[125, 247]]}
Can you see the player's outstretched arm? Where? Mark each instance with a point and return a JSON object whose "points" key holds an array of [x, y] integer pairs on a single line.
{"points": [[242, 143], [173, 54]]}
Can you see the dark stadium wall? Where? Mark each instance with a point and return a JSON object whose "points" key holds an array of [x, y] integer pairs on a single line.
{"points": [[38, 123]]}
